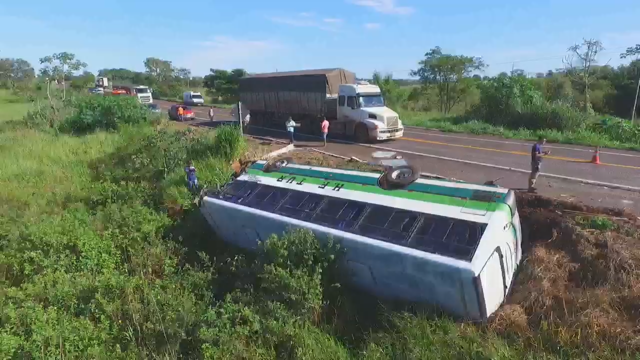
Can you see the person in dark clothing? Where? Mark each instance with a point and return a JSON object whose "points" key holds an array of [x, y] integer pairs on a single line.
{"points": [[536, 161]]}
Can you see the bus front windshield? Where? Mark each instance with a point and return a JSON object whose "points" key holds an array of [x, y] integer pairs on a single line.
{"points": [[370, 101]]}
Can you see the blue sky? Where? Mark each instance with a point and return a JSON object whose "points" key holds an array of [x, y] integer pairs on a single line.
{"points": [[359, 35]]}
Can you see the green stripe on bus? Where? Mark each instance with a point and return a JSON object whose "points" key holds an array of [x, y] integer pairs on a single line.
{"points": [[403, 194], [366, 180]]}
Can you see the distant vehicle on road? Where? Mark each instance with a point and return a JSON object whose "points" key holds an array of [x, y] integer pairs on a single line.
{"points": [[187, 115], [154, 108], [192, 98], [96, 91], [353, 108]]}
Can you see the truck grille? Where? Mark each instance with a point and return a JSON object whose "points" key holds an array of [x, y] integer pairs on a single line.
{"points": [[145, 99], [392, 121]]}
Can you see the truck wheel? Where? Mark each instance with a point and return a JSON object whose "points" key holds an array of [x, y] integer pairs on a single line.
{"points": [[362, 133], [399, 177]]}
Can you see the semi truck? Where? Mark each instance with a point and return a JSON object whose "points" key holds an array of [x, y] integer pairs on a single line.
{"points": [[353, 108], [142, 93]]}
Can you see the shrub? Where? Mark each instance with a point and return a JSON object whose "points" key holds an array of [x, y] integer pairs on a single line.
{"points": [[45, 115], [618, 129], [514, 102], [93, 113], [229, 143]]}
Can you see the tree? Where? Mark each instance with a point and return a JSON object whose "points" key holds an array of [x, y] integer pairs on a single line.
{"points": [[82, 81], [518, 72], [160, 70], [184, 75], [579, 64], [57, 67], [224, 84], [393, 94], [449, 74], [15, 71], [633, 51]]}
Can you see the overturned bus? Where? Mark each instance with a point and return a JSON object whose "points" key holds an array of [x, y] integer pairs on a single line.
{"points": [[449, 244]]}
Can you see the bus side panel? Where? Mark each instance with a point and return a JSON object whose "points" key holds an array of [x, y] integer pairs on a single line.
{"points": [[493, 284], [446, 286], [382, 271]]}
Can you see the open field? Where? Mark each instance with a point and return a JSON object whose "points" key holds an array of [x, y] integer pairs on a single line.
{"points": [[12, 107]]}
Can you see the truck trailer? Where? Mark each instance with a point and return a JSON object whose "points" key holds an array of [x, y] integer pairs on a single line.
{"points": [[353, 108]]}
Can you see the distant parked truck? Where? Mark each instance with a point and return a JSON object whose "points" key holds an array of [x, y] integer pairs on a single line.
{"points": [[192, 98], [353, 108], [142, 93]]}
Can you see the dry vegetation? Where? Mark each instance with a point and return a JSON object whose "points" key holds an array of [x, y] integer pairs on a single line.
{"points": [[580, 280]]}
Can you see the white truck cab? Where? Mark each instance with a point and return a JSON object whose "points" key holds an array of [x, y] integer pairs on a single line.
{"points": [[362, 109], [192, 98], [143, 93]]}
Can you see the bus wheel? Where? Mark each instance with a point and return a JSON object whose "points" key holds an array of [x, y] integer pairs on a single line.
{"points": [[400, 176], [362, 133], [273, 166]]}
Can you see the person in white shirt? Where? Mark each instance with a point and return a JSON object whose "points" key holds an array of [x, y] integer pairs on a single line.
{"points": [[291, 125], [212, 114]]}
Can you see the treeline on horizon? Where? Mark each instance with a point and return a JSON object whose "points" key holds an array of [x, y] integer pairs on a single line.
{"points": [[444, 83]]}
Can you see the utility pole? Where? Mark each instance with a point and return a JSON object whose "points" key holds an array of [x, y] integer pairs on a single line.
{"points": [[635, 102], [240, 116]]}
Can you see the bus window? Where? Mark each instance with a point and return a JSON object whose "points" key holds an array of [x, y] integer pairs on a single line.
{"points": [[388, 224], [339, 213]]}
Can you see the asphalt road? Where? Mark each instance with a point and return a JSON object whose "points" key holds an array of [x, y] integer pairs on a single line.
{"points": [[480, 158]]}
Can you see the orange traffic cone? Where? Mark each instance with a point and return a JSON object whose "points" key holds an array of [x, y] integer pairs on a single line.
{"points": [[596, 157]]}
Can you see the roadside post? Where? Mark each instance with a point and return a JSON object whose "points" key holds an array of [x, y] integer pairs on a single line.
{"points": [[240, 117]]}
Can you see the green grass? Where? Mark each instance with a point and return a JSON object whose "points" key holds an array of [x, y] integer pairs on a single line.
{"points": [[12, 107], [455, 124]]}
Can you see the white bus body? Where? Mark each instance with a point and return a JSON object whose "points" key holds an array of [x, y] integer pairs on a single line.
{"points": [[453, 245]]}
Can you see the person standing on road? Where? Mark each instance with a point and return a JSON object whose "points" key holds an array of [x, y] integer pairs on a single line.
{"points": [[325, 130], [211, 114], [180, 113], [290, 128], [536, 162]]}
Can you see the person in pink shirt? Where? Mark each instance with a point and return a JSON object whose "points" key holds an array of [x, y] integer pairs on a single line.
{"points": [[325, 130]]}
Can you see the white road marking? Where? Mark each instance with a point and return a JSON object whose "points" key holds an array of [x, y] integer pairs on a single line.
{"points": [[427, 133], [580, 180]]}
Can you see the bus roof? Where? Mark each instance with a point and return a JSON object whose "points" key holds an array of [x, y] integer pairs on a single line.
{"points": [[471, 197]]}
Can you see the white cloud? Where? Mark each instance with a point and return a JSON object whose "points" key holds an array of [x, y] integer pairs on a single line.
{"points": [[224, 52], [309, 20], [372, 26], [385, 6]]}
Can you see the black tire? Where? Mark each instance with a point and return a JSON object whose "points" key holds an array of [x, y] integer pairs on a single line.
{"points": [[399, 177], [362, 133], [273, 166]]}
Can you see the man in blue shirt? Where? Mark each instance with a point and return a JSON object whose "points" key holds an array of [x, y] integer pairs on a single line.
{"points": [[191, 176], [536, 162]]}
